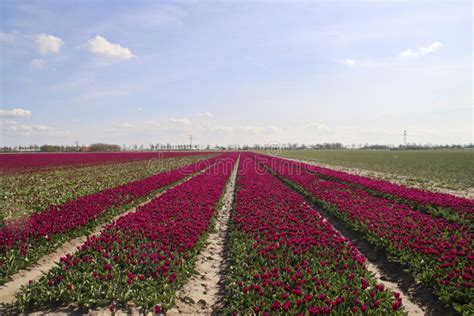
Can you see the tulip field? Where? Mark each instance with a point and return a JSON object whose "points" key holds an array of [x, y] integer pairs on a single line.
{"points": [[432, 168], [26, 192], [142, 257], [436, 250], [27, 238], [35, 162], [146, 226], [288, 258]]}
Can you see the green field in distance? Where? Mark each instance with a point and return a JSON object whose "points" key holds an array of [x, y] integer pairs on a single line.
{"points": [[454, 168]]}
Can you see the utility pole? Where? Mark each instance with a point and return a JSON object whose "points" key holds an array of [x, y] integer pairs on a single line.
{"points": [[190, 141], [405, 137]]}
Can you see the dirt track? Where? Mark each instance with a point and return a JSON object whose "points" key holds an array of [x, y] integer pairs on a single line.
{"points": [[202, 294]]}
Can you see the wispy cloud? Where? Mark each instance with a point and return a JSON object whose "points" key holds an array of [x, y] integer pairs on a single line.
{"points": [[6, 37], [347, 61], [205, 114], [15, 113], [15, 129], [180, 128], [125, 125], [100, 46], [48, 44], [390, 60], [422, 51], [181, 121], [319, 128], [39, 63], [163, 14]]}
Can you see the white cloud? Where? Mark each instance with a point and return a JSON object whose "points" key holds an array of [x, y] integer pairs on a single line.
{"points": [[319, 128], [46, 43], [41, 128], [157, 15], [100, 46], [152, 126], [271, 130], [39, 63], [409, 53], [178, 130], [15, 113], [205, 114], [422, 51], [6, 122], [430, 49], [15, 129], [181, 121], [6, 37], [125, 128], [348, 61], [315, 125], [248, 129], [125, 125]]}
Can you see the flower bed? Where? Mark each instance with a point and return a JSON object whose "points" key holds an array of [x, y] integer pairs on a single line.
{"points": [[436, 251], [28, 192], [25, 240], [143, 257], [39, 161], [444, 205], [286, 258]]}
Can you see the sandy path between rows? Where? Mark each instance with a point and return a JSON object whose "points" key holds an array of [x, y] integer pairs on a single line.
{"points": [[45, 263], [202, 294], [409, 305]]}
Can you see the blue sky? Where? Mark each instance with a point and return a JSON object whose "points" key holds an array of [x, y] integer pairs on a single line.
{"points": [[145, 72]]}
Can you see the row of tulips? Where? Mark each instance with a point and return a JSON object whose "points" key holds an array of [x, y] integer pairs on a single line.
{"points": [[28, 192], [286, 258], [444, 205], [25, 240], [437, 252], [142, 258], [40, 161]]}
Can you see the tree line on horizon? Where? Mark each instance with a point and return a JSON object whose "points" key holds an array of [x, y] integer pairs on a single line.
{"points": [[102, 147]]}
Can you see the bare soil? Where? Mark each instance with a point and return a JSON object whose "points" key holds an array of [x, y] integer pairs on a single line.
{"points": [[203, 292]]}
